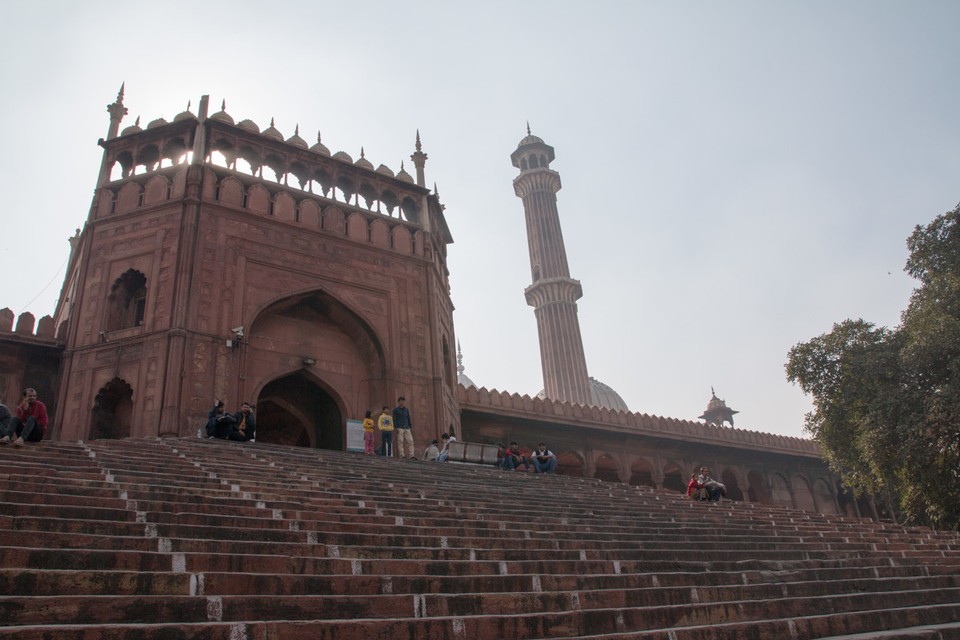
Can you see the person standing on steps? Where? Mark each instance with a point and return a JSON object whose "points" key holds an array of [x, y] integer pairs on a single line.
{"points": [[403, 427], [368, 433], [385, 425], [30, 423]]}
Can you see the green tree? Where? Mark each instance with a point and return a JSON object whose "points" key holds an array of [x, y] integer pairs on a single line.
{"points": [[886, 402]]}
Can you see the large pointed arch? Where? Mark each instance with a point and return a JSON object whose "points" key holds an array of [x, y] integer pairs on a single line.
{"points": [[315, 345]]}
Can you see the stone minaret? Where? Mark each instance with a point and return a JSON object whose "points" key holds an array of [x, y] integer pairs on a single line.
{"points": [[553, 294]]}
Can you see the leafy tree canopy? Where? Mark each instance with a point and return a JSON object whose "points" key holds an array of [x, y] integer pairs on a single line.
{"points": [[886, 402]]}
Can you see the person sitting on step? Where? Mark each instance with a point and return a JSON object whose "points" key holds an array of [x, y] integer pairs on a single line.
{"points": [[30, 423], [514, 460], [714, 489], [446, 438], [432, 452], [218, 422], [695, 490], [244, 429], [543, 459]]}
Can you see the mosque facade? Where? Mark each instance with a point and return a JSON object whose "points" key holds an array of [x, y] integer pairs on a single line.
{"points": [[220, 260]]}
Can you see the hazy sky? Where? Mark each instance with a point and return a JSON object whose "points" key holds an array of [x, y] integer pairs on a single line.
{"points": [[738, 176]]}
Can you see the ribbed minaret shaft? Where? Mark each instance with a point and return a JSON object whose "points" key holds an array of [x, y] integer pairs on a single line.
{"points": [[553, 293]]}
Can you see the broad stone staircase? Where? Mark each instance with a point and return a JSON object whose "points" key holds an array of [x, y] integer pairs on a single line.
{"points": [[189, 538]]}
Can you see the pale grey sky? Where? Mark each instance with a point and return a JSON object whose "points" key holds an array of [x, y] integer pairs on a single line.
{"points": [[737, 175]]}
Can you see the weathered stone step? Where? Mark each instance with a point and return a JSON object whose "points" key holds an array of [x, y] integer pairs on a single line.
{"points": [[569, 608]]}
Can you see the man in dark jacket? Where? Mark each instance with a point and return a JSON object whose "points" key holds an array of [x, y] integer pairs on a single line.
{"points": [[244, 429]]}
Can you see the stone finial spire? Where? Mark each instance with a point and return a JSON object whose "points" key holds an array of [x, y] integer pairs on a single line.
{"points": [[419, 160], [528, 129], [116, 111], [460, 368]]}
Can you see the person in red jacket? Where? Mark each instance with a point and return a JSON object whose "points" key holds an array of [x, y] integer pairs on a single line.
{"points": [[30, 423]]}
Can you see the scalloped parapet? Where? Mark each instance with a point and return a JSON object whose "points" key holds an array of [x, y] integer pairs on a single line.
{"points": [[26, 324], [513, 404]]}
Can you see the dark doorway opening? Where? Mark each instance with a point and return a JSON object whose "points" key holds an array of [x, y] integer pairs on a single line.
{"points": [[113, 411], [296, 411]]}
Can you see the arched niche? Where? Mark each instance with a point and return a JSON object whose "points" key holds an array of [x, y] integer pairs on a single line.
{"points": [[826, 496], [607, 468], [310, 214], [156, 190], [112, 411], [231, 191], [127, 301], [333, 221], [641, 473], [675, 477], [757, 488], [570, 463], [731, 479], [780, 490], [402, 241], [803, 494], [284, 207]]}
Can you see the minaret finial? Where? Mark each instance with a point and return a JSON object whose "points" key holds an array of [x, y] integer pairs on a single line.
{"points": [[137, 122], [460, 367], [223, 105], [318, 137], [116, 111], [296, 130], [189, 103], [419, 160], [528, 128], [361, 152], [271, 122], [436, 191]]}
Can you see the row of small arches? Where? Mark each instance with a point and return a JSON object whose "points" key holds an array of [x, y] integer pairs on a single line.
{"points": [[341, 188]]}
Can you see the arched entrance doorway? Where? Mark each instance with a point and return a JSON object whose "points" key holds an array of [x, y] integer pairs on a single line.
{"points": [[294, 410], [112, 411]]}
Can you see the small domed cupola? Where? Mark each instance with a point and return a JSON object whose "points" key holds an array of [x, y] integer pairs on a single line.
{"points": [[134, 128], [222, 115], [320, 147], [185, 115], [272, 132], [403, 175], [363, 162], [249, 125], [296, 140]]}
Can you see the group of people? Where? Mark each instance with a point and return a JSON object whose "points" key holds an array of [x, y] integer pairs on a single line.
{"points": [[703, 487], [540, 460], [240, 426], [28, 423], [389, 422], [396, 427]]}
